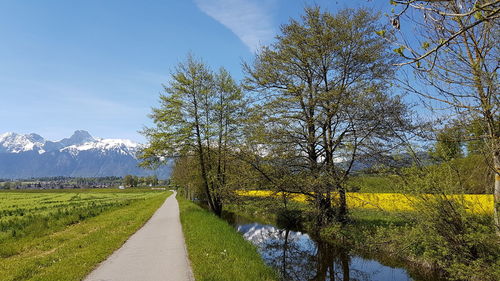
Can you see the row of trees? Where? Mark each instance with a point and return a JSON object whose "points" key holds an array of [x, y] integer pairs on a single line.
{"points": [[60, 182], [320, 99], [134, 181]]}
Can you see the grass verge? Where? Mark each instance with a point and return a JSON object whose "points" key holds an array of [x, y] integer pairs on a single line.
{"points": [[217, 251], [70, 252]]}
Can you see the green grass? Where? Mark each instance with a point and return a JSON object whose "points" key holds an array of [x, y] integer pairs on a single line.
{"points": [[63, 236], [375, 183], [378, 218], [217, 251]]}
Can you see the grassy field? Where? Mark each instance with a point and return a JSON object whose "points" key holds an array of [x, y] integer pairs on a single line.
{"points": [[217, 251], [64, 235]]}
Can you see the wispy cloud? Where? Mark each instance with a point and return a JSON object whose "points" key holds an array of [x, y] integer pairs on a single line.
{"points": [[250, 20]]}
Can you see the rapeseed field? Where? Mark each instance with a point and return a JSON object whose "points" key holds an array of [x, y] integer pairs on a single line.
{"points": [[474, 203]]}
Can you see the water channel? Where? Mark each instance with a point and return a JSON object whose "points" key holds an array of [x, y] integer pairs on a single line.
{"points": [[297, 256]]}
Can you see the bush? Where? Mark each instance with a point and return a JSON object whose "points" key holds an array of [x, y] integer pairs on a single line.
{"points": [[464, 245], [461, 243]]}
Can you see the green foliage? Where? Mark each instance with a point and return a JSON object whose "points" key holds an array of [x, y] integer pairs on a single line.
{"points": [[461, 244], [217, 251], [374, 183], [445, 234], [324, 87], [476, 130], [381, 32], [478, 15], [199, 116], [186, 175], [470, 174], [449, 144], [6, 185], [131, 181], [400, 50]]}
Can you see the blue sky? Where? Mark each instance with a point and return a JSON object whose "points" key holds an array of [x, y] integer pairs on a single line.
{"points": [[98, 65]]}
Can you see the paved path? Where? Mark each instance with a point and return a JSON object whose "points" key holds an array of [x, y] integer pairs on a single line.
{"points": [[154, 253]]}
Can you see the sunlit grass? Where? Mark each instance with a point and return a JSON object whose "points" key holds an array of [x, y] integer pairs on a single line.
{"points": [[217, 251]]}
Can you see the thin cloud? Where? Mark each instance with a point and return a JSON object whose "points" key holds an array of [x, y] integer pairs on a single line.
{"points": [[249, 20]]}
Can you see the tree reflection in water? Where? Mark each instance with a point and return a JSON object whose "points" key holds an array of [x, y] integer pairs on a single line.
{"points": [[298, 257]]}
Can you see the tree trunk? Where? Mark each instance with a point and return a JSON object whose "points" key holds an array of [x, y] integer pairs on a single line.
{"points": [[342, 212], [344, 260], [496, 192], [203, 164], [324, 261], [284, 273], [217, 208], [325, 211]]}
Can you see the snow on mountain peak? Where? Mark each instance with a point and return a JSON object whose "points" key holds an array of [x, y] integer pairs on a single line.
{"points": [[123, 146], [5, 135], [15, 143], [79, 141]]}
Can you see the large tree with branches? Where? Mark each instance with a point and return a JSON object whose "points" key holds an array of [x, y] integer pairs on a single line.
{"points": [[456, 61], [325, 104], [198, 117]]}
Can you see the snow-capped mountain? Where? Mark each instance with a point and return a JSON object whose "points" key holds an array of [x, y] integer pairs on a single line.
{"points": [[15, 143], [23, 156]]}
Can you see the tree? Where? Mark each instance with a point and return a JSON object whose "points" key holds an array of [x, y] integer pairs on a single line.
{"points": [[448, 144], [324, 101], [7, 185], [130, 181], [463, 75], [198, 117], [153, 180], [186, 174]]}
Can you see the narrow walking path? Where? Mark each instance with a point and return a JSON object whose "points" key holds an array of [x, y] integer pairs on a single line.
{"points": [[154, 253]]}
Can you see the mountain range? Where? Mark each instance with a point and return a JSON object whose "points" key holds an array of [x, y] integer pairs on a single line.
{"points": [[81, 155]]}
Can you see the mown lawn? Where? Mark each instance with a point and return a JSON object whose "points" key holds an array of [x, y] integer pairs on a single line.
{"points": [[64, 235], [217, 251]]}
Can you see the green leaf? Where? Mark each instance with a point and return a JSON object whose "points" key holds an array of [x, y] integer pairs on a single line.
{"points": [[425, 45], [393, 2], [381, 33], [478, 15], [400, 50]]}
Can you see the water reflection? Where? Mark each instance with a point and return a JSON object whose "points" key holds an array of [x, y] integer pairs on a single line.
{"points": [[298, 257]]}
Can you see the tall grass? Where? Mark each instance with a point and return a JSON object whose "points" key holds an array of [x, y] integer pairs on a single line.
{"points": [[217, 251]]}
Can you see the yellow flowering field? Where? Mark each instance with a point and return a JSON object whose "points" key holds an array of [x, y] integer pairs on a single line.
{"points": [[476, 203]]}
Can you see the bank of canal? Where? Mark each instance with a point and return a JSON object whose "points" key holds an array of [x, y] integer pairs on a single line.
{"points": [[296, 255]]}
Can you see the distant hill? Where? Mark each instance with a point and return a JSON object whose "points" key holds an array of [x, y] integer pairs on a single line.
{"points": [[81, 155]]}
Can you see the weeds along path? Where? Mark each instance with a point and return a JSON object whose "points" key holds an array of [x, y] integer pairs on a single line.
{"points": [[155, 252]]}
